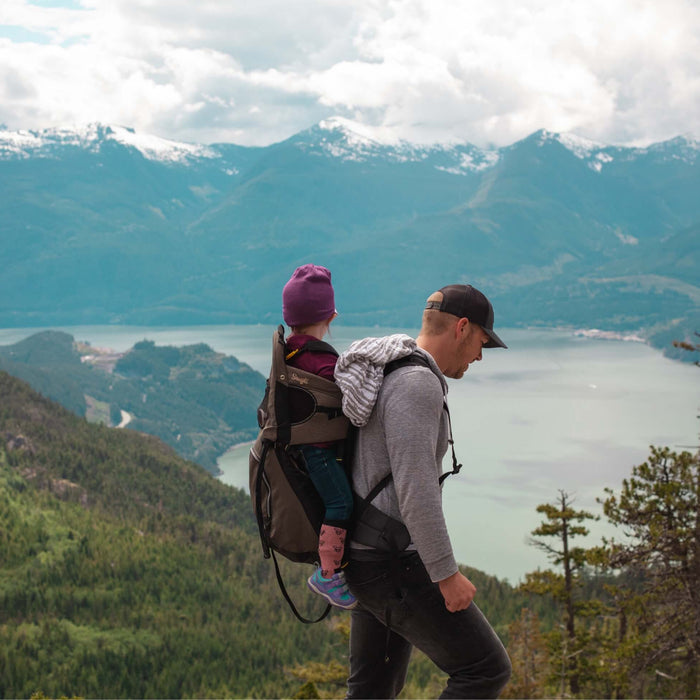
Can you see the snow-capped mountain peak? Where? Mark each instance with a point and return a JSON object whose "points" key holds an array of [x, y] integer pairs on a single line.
{"points": [[681, 148], [346, 140], [353, 132], [595, 154], [48, 142], [580, 146], [156, 148]]}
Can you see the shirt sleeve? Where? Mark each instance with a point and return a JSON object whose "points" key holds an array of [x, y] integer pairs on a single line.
{"points": [[412, 413]]}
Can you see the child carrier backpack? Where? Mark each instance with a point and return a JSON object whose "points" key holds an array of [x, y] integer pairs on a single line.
{"points": [[298, 408]]}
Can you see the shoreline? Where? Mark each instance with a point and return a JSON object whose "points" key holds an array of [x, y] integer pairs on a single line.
{"points": [[597, 334], [237, 446], [235, 471], [102, 354]]}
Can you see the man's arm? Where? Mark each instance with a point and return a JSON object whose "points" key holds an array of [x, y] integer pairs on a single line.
{"points": [[411, 418], [411, 410]]}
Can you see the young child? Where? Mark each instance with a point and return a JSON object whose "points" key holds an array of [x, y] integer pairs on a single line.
{"points": [[308, 307]]}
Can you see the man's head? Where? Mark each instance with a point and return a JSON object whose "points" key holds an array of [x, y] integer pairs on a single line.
{"points": [[457, 324]]}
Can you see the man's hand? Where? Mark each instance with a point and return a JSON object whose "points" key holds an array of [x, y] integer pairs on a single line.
{"points": [[458, 591]]}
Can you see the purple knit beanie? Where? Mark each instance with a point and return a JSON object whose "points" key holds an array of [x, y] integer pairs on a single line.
{"points": [[308, 296]]}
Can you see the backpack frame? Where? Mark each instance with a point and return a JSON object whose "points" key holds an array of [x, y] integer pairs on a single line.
{"points": [[298, 408]]}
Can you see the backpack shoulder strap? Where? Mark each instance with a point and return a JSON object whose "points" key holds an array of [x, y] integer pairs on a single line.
{"points": [[409, 360], [312, 346]]}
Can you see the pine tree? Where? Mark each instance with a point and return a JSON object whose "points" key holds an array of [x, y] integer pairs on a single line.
{"points": [[658, 509], [331, 675], [561, 524], [529, 657]]}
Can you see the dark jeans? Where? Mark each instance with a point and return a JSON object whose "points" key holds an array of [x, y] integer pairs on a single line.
{"points": [[331, 482], [403, 598]]}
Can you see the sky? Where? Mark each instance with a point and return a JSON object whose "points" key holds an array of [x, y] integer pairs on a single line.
{"points": [[255, 72]]}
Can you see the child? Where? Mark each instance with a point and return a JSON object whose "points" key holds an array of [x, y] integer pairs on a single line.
{"points": [[308, 307]]}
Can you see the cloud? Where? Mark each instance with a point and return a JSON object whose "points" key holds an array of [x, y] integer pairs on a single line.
{"points": [[422, 70]]}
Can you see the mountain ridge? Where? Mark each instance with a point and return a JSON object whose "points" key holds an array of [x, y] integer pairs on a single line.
{"points": [[24, 143], [558, 230]]}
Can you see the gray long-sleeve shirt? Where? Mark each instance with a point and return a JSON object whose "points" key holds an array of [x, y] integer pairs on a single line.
{"points": [[407, 434]]}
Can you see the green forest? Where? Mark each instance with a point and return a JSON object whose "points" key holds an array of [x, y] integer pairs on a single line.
{"points": [[198, 401], [129, 572]]}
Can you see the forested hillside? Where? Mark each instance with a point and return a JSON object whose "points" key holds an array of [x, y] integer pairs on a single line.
{"points": [[129, 572], [196, 400], [126, 571]]}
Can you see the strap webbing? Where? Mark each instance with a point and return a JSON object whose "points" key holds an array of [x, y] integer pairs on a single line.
{"points": [[416, 359], [330, 411], [283, 588], [312, 346], [267, 548], [258, 499], [455, 465]]}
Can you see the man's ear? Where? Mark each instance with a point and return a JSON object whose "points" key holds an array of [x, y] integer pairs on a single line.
{"points": [[462, 326]]}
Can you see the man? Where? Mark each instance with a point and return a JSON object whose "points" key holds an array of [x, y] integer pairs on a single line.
{"points": [[401, 567]]}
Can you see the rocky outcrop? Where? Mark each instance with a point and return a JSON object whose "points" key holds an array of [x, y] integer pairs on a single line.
{"points": [[19, 442]]}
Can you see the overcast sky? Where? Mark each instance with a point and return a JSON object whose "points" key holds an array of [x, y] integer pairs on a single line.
{"points": [[255, 72]]}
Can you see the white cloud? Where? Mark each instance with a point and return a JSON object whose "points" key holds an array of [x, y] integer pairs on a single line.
{"points": [[423, 70]]}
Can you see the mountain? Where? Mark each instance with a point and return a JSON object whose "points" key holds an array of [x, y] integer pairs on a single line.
{"points": [[128, 572], [196, 400], [105, 225]]}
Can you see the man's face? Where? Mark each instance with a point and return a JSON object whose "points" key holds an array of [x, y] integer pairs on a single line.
{"points": [[468, 346]]}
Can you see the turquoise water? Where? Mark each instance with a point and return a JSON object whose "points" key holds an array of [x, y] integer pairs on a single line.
{"points": [[554, 411]]}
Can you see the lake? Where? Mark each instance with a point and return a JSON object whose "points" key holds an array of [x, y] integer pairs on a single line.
{"points": [[554, 411]]}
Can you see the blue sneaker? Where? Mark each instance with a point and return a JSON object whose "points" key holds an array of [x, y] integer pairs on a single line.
{"points": [[333, 589]]}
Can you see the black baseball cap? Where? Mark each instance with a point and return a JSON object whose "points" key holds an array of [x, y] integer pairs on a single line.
{"points": [[464, 301]]}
